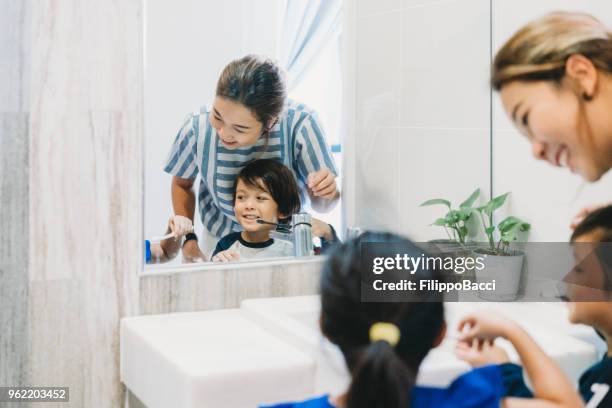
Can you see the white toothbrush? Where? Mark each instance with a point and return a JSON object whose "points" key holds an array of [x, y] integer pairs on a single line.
{"points": [[160, 239]]}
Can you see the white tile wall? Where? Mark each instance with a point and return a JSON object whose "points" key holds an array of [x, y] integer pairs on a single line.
{"points": [[435, 163], [421, 96], [444, 65], [378, 70]]}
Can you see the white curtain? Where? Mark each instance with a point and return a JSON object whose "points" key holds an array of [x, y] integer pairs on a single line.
{"points": [[308, 26]]}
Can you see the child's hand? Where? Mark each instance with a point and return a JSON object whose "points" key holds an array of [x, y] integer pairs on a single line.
{"points": [[322, 183], [228, 255], [180, 225], [321, 229], [484, 326], [481, 353]]}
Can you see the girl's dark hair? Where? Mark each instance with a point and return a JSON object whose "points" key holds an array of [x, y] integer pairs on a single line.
{"points": [[277, 179], [258, 84], [382, 375]]}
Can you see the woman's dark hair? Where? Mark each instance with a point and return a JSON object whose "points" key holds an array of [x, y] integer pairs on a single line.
{"points": [[258, 84], [277, 179], [382, 375]]}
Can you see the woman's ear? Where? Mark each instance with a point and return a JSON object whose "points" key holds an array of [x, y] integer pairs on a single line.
{"points": [[584, 74], [441, 335]]}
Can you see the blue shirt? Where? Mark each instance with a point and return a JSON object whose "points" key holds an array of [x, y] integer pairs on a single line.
{"points": [[297, 141], [479, 388]]}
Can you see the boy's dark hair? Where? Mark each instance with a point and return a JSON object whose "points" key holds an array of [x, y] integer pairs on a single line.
{"points": [[382, 375], [600, 219], [258, 84], [277, 179]]}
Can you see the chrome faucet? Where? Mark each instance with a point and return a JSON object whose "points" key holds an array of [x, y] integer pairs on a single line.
{"points": [[299, 233]]}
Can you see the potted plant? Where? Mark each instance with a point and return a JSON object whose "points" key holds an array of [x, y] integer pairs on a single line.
{"points": [[454, 221], [501, 262]]}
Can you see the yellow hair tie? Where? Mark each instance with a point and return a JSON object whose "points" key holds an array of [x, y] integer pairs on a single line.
{"points": [[385, 331]]}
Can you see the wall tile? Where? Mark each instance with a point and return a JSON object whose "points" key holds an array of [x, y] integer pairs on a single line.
{"points": [[448, 164], [445, 65]]}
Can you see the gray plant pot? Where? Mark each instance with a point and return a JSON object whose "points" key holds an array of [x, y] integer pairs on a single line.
{"points": [[506, 270]]}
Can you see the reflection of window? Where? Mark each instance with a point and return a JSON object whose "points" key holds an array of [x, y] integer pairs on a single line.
{"points": [[321, 89]]}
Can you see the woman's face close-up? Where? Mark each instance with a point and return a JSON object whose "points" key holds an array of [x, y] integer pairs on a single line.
{"points": [[549, 116], [235, 124]]}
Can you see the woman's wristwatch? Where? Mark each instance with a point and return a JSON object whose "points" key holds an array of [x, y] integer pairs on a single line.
{"points": [[190, 237]]}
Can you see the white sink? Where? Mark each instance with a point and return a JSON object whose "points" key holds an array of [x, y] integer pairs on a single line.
{"points": [[295, 320], [271, 350], [210, 359]]}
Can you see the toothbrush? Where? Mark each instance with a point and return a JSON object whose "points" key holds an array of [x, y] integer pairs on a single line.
{"points": [[159, 239]]}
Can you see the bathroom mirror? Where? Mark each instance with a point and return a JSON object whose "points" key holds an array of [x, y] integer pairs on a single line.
{"points": [[187, 45]]}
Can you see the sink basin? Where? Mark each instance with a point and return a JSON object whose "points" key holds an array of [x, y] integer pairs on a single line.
{"points": [[295, 320], [272, 350], [210, 359]]}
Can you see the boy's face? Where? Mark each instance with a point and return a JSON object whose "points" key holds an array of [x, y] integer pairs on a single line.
{"points": [[252, 204], [588, 282]]}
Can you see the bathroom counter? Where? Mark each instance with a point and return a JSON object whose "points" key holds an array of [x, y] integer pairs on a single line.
{"points": [[271, 350]]}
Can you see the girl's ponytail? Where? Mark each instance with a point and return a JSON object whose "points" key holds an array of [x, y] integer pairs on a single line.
{"points": [[380, 379]]}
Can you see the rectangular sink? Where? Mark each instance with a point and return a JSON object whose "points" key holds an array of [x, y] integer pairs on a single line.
{"points": [[210, 359], [295, 320], [272, 350]]}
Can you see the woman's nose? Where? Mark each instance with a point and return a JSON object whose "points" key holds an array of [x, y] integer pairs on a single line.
{"points": [[538, 149]]}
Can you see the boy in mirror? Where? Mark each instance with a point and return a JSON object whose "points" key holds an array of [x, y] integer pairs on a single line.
{"points": [[265, 195]]}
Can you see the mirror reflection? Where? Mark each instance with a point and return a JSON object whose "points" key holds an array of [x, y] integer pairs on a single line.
{"points": [[253, 172]]}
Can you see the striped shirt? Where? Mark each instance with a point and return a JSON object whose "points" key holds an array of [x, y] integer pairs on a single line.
{"points": [[296, 140]]}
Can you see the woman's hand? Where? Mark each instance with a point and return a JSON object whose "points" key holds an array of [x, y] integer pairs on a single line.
{"points": [[180, 226], [192, 252], [322, 183], [484, 326], [321, 229], [228, 255], [481, 353]]}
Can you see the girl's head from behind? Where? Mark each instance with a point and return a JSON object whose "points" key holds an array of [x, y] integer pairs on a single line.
{"points": [[265, 190], [251, 94], [590, 281], [383, 343], [555, 78]]}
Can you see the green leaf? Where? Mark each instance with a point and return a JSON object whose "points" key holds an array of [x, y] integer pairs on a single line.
{"points": [[495, 203], [436, 201], [508, 237], [499, 201], [465, 214], [508, 224], [471, 200], [453, 217], [440, 222], [489, 230]]}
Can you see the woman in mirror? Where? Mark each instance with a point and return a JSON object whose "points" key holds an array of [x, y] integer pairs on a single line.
{"points": [[251, 118], [555, 81]]}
